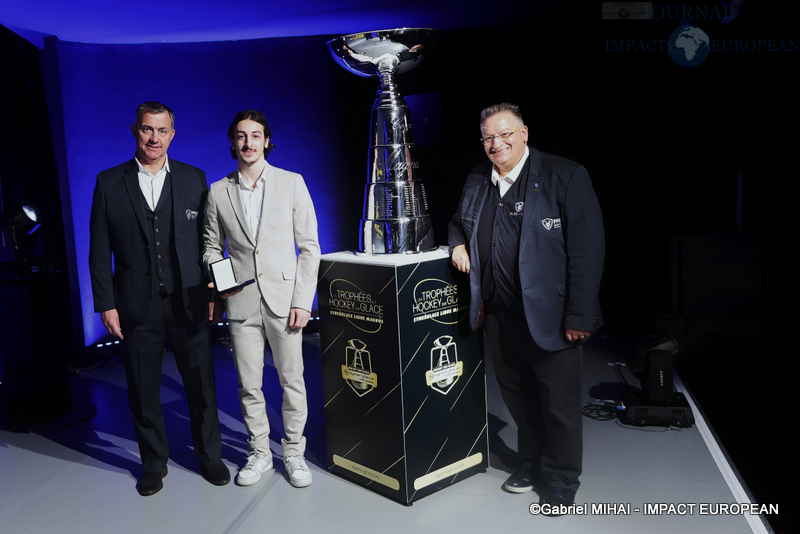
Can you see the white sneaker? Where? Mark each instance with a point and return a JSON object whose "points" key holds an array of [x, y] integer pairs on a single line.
{"points": [[299, 474], [257, 463]]}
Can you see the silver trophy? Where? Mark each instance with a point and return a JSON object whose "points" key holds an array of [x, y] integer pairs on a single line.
{"points": [[396, 219]]}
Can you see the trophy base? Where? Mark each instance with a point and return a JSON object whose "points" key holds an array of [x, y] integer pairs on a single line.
{"points": [[406, 311], [397, 236]]}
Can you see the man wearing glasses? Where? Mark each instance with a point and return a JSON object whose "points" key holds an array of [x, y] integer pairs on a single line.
{"points": [[530, 234]]}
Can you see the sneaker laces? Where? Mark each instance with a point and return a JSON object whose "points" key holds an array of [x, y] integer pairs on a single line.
{"points": [[296, 463], [252, 459]]}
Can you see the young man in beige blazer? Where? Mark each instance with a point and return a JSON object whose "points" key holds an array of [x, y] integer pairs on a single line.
{"points": [[262, 213]]}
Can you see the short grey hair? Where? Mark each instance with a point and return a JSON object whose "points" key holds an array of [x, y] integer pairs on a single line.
{"points": [[499, 108], [155, 108]]}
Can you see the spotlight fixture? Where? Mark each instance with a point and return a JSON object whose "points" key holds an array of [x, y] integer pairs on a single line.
{"points": [[26, 219], [17, 229], [656, 404]]}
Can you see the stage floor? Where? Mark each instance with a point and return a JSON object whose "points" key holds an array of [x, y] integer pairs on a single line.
{"points": [[82, 478]]}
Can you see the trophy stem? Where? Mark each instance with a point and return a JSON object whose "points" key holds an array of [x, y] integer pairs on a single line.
{"points": [[396, 219], [388, 94]]}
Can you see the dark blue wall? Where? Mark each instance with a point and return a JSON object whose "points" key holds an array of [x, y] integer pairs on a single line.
{"points": [[290, 80], [663, 143]]}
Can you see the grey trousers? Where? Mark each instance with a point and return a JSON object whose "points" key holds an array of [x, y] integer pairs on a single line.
{"points": [[248, 338]]}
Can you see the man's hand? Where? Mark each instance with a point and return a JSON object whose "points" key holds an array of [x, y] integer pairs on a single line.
{"points": [[215, 312], [576, 335], [460, 258], [111, 322], [225, 295], [298, 318]]}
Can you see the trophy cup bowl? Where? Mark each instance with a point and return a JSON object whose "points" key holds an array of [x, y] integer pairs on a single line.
{"points": [[396, 218]]}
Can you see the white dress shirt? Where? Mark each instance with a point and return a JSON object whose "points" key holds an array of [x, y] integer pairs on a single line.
{"points": [[152, 184], [504, 183], [252, 200]]}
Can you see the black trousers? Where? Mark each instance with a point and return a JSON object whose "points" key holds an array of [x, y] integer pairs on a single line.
{"points": [[543, 393], [142, 353]]}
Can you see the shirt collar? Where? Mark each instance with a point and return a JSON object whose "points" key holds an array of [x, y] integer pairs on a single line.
{"points": [[513, 174], [262, 179], [143, 170]]}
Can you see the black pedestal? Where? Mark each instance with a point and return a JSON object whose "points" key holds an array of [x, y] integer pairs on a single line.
{"points": [[403, 374]]}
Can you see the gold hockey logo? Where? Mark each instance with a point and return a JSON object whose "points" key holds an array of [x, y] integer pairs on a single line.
{"points": [[357, 370], [445, 367]]}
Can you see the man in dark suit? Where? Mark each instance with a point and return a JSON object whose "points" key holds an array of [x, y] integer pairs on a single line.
{"points": [[530, 234], [147, 214]]}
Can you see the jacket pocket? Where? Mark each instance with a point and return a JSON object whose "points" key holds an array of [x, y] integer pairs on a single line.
{"points": [[190, 210], [551, 223]]}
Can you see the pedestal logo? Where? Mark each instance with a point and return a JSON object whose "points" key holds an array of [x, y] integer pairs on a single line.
{"points": [[445, 367], [357, 369], [358, 307]]}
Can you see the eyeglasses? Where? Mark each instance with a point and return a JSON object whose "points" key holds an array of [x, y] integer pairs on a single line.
{"points": [[488, 141]]}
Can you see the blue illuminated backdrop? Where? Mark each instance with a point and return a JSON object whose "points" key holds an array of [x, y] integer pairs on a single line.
{"points": [[208, 62], [206, 84]]}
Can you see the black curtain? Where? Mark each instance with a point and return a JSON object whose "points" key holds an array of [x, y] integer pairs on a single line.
{"points": [[41, 335]]}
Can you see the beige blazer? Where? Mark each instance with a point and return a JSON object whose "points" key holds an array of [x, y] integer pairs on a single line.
{"points": [[285, 279]]}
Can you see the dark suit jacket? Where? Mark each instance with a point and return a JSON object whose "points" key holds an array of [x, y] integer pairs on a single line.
{"points": [[561, 250], [117, 227]]}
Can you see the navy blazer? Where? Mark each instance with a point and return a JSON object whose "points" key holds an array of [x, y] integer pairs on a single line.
{"points": [[561, 249], [117, 226]]}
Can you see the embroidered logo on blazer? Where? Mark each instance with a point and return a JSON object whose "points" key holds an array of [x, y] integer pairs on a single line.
{"points": [[191, 214], [549, 223], [518, 206]]}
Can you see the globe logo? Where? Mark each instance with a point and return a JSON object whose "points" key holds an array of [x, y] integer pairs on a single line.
{"points": [[688, 46]]}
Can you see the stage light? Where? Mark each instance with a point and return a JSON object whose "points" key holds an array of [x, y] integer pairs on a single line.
{"points": [[17, 229], [656, 404], [26, 219], [652, 363]]}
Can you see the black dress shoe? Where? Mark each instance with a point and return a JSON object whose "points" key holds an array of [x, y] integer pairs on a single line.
{"points": [[217, 474], [151, 483], [556, 498], [521, 481]]}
